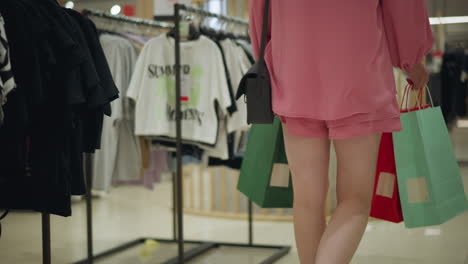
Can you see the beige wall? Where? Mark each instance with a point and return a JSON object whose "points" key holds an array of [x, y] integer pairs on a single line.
{"points": [[144, 9], [238, 8]]}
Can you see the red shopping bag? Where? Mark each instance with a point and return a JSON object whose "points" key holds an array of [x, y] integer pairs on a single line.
{"points": [[386, 200]]}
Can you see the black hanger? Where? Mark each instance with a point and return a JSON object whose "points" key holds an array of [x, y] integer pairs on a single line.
{"points": [[194, 32]]}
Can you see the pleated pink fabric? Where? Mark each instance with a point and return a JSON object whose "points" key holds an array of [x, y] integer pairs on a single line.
{"points": [[332, 59]]}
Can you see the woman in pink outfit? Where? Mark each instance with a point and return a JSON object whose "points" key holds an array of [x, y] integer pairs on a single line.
{"points": [[331, 64]]}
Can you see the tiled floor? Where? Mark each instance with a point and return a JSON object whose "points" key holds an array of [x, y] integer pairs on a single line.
{"points": [[131, 212]]}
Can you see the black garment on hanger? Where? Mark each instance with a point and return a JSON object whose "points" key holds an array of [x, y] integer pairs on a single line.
{"points": [[466, 61], [107, 91], [234, 163], [435, 86], [56, 111], [187, 149], [453, 91]]}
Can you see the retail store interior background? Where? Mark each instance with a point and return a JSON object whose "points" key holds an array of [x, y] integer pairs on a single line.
{"points": [[214, 209]]}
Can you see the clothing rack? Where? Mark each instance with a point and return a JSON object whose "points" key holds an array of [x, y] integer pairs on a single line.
{"points": [[194, 10], [204, 13], [177, 179], [91, 257], [132, 20], [280, 250]]}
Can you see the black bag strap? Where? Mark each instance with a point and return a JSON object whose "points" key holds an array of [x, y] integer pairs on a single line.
{"points": [[266, 13]]}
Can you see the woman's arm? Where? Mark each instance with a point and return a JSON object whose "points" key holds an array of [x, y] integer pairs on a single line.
{"points": [[408, 31], [256, 24]]}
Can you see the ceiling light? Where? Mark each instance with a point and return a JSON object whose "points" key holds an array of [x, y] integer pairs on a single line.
{"points": [[70, 4], [448, 20], [115, 10]]}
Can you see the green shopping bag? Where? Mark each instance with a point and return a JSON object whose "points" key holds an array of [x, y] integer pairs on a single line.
{"points": [[265, 177], [431, 188]]}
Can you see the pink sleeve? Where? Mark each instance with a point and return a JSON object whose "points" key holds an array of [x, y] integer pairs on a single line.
{"points": [[408, 31], [256, 24]]}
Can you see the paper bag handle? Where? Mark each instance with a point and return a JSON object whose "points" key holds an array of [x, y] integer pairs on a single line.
{"points": [[407, 96]]}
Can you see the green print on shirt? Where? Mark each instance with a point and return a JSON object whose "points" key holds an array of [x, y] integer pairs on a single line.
{"points": [[190, 90], [191, 87]]}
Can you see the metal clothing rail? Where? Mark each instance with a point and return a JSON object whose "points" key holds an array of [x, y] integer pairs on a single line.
{"points": [[132, 20], [205, 13], [177, 179]]}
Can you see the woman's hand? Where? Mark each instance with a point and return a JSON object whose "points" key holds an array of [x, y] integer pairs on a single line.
{"points": [[418, 76]]}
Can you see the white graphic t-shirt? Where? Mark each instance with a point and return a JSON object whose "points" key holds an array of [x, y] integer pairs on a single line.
{"points": [[203, 81], [238, 64]]}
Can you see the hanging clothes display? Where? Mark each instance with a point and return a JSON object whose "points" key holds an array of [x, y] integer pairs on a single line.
{"points": [[221, 149], [63, 90], [119, 158], [231, 126], [157, 164], [208, 100], [237, 64], [124, 158], [204, 84]]}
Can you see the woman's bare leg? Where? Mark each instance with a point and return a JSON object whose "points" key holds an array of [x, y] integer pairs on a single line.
{"points": [[357, 160], [308, 160]]}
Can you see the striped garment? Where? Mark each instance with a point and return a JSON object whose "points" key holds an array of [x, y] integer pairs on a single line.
{"points": [[7, 82]]}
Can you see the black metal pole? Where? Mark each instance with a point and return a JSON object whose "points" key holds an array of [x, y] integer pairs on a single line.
{"points": [[46, 252], [180, 204], [174, 206], [250, 222], [89, 205]]}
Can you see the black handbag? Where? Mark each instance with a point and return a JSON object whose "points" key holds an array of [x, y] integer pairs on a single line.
{"points": [[256, 83]]}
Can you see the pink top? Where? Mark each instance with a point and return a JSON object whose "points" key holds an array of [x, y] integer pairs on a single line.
{"points": [[331, 59]]}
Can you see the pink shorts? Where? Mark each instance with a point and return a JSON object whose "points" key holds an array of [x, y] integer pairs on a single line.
{"points": [[353, 126]]}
